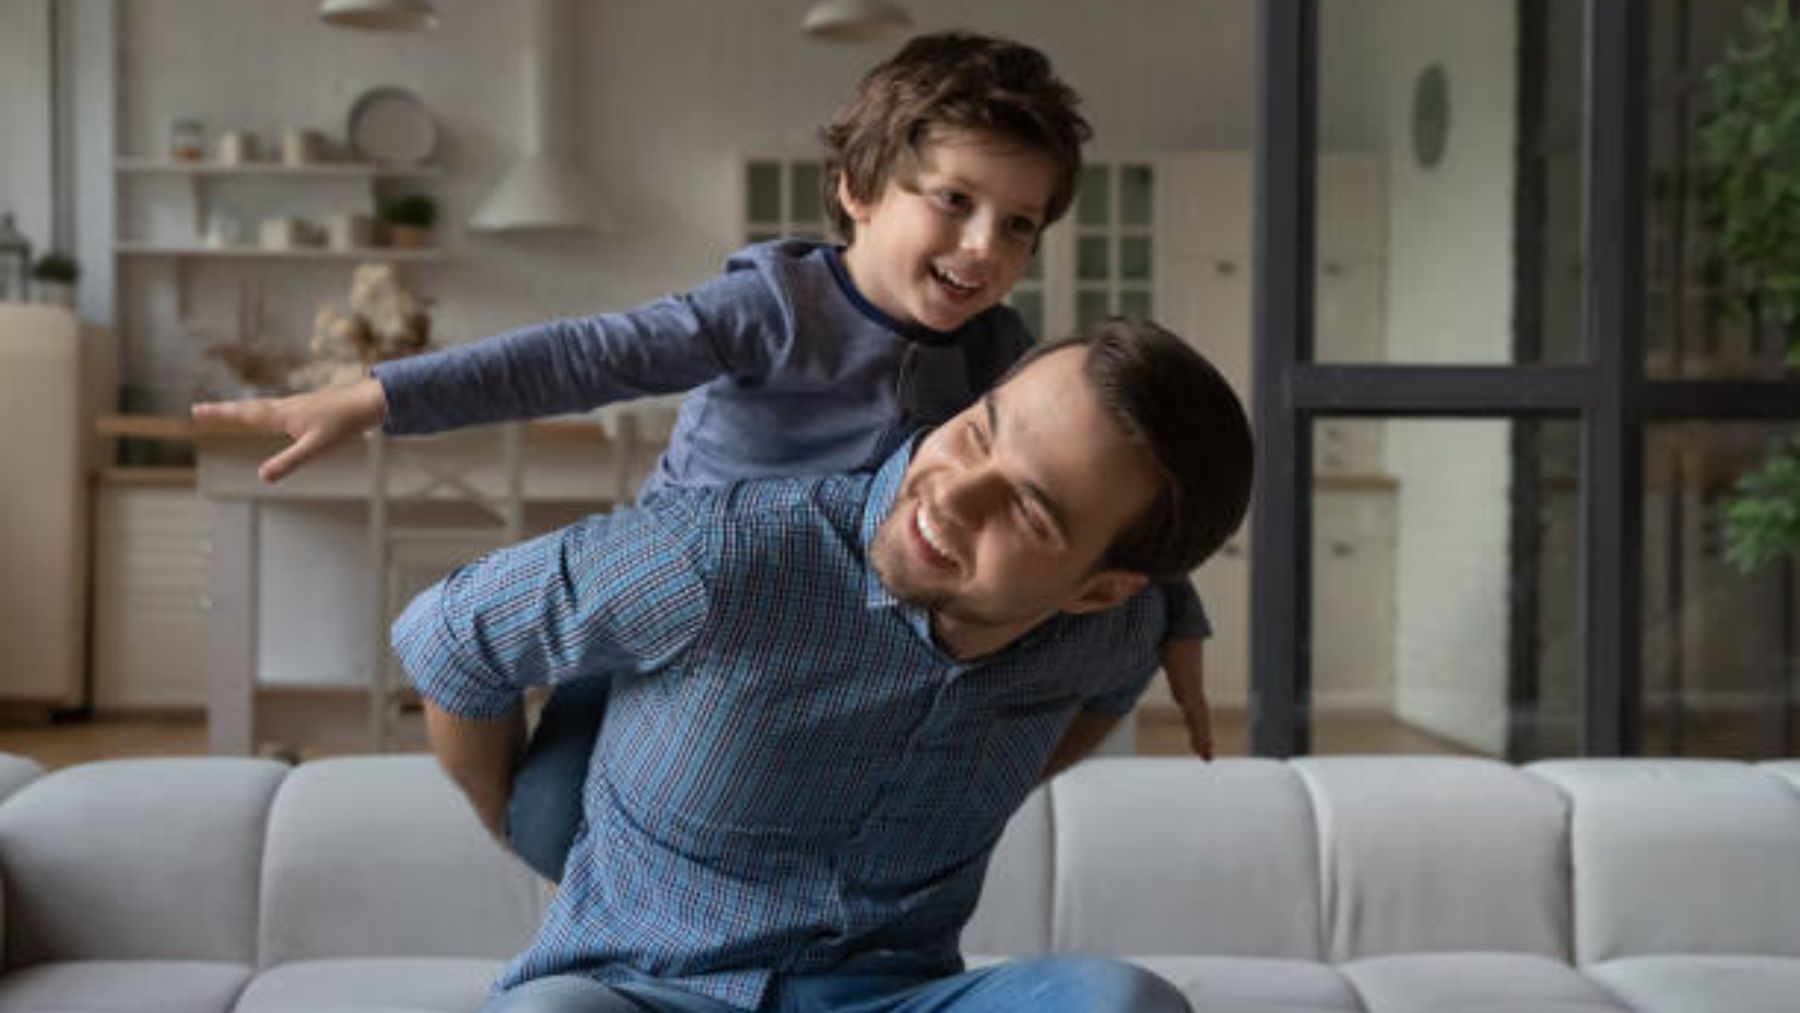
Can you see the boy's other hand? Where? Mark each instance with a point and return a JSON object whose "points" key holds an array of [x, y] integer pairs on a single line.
{"points": [[1184, 666], [316, 421]]}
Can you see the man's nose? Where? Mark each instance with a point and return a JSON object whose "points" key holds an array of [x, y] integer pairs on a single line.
{"points": [[970, 496]]}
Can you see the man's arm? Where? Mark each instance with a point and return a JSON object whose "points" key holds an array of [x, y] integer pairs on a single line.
{"points": [[1085, 732], [614, 592], [480, 757]]}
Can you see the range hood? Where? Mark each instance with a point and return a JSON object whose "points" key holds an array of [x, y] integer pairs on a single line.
{"points": [[543, 190]]}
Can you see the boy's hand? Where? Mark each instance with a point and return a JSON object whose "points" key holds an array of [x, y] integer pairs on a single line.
{"points": [[316, 421], [1184, 666]]}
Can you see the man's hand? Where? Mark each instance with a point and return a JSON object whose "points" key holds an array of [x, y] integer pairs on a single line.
{"points": [[1184, 665], [316, 421]]}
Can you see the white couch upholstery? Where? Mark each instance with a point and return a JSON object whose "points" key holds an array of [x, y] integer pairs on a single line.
{"points": [[1381, 884]]}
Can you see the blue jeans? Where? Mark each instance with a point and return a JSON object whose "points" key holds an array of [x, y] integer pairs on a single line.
{"points": [[1038, 985], [544, 812]]}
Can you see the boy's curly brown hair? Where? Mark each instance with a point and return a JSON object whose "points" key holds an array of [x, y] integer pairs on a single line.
{"points": [[950, 82]]}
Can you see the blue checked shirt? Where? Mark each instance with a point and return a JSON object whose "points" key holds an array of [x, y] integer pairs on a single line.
{"points": [[791, 772]]}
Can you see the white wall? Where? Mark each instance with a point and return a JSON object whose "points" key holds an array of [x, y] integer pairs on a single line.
{"points": [[672, 92], [1450, 282], [25, 117]]}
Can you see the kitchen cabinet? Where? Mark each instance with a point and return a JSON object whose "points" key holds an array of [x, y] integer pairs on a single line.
{"points": [[152, 552]]}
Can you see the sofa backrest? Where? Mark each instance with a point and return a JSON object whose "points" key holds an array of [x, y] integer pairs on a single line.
{"points": [[1682, 856], [382, 856], [136, 860], [1433, 854], [1150, 856]]}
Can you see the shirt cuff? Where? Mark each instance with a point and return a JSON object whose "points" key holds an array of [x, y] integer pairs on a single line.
{"points": [[453, 680]]}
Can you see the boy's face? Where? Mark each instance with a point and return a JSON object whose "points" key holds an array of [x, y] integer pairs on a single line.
{"points": [[1006, 510], [950, 242]]}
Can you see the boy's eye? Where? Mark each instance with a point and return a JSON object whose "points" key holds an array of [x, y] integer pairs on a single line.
{"points": [[955, 200], [979, 437], [1023, 226]]}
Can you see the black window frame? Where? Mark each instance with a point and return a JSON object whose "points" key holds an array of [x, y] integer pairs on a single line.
{"points": [[1608, 393]]}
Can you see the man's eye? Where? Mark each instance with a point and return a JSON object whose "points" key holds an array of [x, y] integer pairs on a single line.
{"points": [[979, 437], [1030, 518]]}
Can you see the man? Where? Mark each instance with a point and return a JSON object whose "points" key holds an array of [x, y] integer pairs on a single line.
{"points": [[839, 691]]}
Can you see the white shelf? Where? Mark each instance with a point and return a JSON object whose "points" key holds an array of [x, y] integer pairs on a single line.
{"points": [[304, 253], [318, 170]]}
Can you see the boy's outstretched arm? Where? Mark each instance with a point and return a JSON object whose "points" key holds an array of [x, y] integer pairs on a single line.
{"points": [[315, 421]]}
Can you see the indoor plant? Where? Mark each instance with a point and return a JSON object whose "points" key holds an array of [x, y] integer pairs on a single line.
{"points": [[1749, 138], [410, 219], [54, 276]]}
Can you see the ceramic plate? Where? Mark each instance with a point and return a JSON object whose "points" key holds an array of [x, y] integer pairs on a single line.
{"points": [[390, 125]]}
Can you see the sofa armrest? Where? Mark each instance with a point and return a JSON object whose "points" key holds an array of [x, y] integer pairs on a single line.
{"points": [[15, 773]]}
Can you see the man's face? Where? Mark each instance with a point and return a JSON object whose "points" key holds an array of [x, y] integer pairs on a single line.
{"points": [[949, 243], [1005, 511]]}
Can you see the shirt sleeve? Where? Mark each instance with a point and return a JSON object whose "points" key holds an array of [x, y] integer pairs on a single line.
{"points": [[727, 327], [614, 592], [1187, 616]]}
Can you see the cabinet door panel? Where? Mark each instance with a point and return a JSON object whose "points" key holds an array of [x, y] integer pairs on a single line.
{"points": [[150, 598]]}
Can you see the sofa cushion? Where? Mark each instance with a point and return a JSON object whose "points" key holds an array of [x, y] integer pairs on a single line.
{"points": [[1703, 984], [1013, 917], [1176, 856], [1255, 985], [148, 859], [383, 856], [1681, 856], [1475, 983], [440, 985], [1439, 854], [123, 986], [1787, 770]]}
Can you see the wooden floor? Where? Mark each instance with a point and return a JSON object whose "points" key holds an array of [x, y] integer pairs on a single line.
{"points": [[1160, 733]]}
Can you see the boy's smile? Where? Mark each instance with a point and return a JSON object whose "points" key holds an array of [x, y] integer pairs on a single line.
{"points": [[952, 239]]}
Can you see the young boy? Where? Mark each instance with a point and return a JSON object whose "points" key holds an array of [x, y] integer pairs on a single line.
{"points": [[944, 167]]}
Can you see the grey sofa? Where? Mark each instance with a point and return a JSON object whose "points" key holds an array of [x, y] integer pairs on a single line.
{"points": [[1390, 884]]}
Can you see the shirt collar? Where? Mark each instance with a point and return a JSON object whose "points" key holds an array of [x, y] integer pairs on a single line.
{"points": [[834, 256], [884, 487]]}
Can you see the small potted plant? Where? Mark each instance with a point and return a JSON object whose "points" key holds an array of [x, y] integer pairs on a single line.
{"points": [[53, 276], [410, 219]]}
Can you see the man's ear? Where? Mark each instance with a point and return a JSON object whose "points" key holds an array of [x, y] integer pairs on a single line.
{"points": [[1104, 590]]}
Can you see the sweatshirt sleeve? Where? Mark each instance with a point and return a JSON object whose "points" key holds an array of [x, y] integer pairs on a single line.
{"points": [[731, 326], [1187, 617]]}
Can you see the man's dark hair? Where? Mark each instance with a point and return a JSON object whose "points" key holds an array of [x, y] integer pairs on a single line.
{"points": [[1173, 403], [944, 83]]}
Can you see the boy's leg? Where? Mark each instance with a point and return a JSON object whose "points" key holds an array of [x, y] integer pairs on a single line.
{"points": [[544, 811]]}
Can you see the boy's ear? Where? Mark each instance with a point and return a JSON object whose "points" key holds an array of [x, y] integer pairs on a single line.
{"points": [[857, 210], [1104, 590]]}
